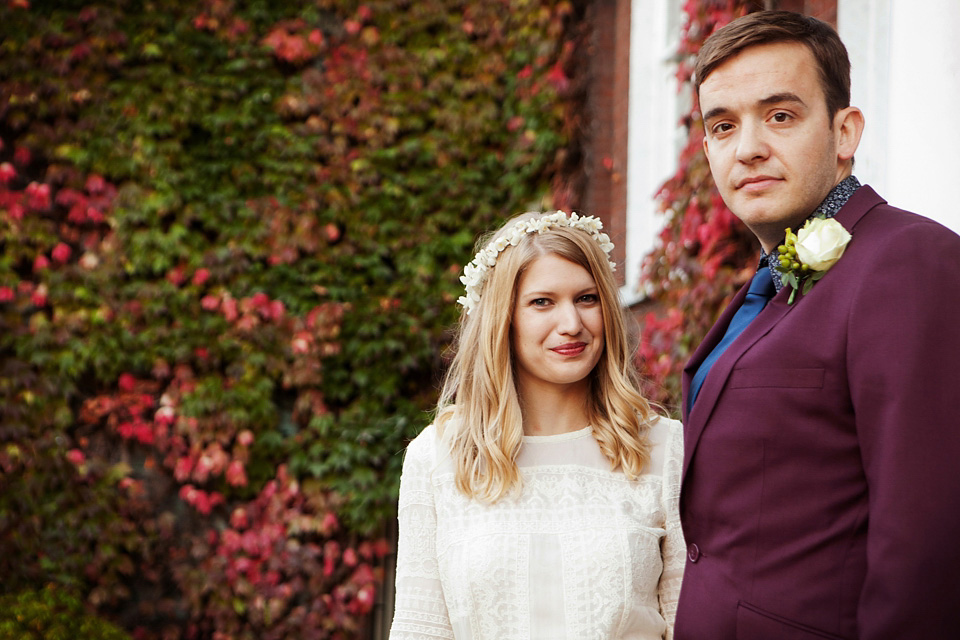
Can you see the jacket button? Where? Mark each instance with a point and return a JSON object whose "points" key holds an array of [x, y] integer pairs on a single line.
{"points": [[693, 553]]}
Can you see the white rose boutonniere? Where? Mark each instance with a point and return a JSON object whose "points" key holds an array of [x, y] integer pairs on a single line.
{"points": [[806, 256], [821, 242]]}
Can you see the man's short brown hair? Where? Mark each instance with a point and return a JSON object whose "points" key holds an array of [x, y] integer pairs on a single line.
{"points": [[767, 27]]}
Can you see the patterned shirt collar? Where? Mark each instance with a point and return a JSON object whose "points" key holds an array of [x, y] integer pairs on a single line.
{"points": [[830, 206]]}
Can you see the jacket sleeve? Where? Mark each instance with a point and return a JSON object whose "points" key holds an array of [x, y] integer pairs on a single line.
{"points": [[420, 610], [673, 548], [903, 359]]}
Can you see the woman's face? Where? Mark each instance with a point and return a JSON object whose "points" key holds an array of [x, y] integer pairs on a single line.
{"points": [[557, 331]]}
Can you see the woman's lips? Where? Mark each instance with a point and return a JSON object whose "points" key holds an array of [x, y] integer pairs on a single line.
{"points": [[570, 349]]}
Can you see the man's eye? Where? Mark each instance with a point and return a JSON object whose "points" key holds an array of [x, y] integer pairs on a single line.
{"points": [[723, 127], [781, 116]]}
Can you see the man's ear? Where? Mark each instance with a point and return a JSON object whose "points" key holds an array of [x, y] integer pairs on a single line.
{"points": [[848, 125]]}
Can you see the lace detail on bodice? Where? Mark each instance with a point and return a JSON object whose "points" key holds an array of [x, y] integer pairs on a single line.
{"points": [[581, 552]]}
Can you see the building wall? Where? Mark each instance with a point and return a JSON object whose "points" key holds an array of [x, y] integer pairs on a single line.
{"points": [[906, 78], [607, 111]]}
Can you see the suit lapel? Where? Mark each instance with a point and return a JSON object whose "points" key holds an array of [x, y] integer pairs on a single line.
{"points": [[714, 335], [859, 204], [696, 420]]}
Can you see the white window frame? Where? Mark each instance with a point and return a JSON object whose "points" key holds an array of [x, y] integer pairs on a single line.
{"points": [[905, 77], [654, 133]]}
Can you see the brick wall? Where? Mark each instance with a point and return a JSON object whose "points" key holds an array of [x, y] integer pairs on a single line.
{"points": [[605, 152], [825, 10]]}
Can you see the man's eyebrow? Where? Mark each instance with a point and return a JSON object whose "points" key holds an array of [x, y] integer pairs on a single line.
{"points": [[713, 113], [777, 98]]}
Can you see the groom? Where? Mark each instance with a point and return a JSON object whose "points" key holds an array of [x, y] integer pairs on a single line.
{"points": [[821, 487]]}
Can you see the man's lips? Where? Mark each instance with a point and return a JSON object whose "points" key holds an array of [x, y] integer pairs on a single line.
{"points": [[756, 183], [570, 349]]}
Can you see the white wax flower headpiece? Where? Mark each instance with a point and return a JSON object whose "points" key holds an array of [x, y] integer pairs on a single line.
{"points": [[475, 273]]}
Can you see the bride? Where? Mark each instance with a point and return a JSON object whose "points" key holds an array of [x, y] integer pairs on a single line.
{"points": [[542, 502]]}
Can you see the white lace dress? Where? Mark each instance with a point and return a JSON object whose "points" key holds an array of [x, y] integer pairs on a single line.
{"points": [[581, 553]]}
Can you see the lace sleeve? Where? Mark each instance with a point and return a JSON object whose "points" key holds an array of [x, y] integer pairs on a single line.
{"points": [[420, 610], [673, 547]]}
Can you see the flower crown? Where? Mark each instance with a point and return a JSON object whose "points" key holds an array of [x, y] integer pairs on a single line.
{"points": [[475, 273]]}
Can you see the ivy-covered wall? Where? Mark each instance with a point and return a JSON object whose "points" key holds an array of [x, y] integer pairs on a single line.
{"points": [[230, 239]]}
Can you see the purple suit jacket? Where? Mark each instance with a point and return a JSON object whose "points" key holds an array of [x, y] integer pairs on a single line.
{"points": [[821, 484]]}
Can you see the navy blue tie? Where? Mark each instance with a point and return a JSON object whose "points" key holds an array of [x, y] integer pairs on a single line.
{"points": [[758, 295]]}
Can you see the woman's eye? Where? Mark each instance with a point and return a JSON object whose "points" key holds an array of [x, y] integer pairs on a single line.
{"points": [[540, 302], [590, 298]]}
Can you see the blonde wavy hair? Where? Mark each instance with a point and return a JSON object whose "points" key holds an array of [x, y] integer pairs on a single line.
{"points": [[478, 413]]}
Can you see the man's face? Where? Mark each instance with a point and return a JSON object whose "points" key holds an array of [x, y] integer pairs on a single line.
{"points": [[771, 146]]}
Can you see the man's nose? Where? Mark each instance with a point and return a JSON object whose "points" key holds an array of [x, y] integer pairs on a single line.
{"points": [[751, 143]]}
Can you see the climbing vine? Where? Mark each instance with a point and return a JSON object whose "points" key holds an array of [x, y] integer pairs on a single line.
{"points": [[704, 253], [230, 236]]}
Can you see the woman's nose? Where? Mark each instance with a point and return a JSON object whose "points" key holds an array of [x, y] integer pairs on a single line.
{"points": [[569, 322]]}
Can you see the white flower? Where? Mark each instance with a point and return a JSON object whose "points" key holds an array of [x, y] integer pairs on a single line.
{"points": [[821, 242], [540, 225], [487, 258], [475, 273], [592, 225]]}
